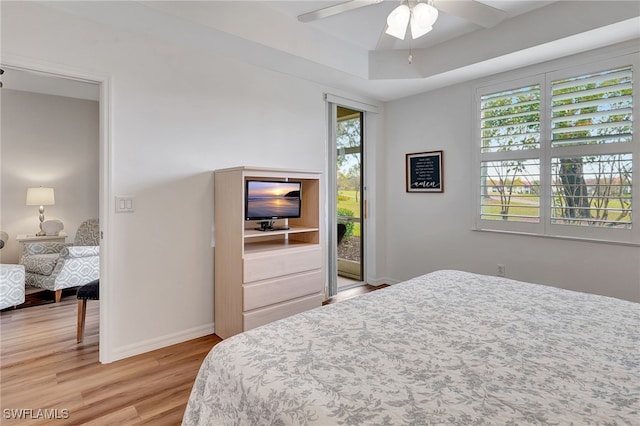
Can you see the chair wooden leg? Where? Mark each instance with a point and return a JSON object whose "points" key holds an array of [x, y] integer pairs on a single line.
{"points": [[82, 314], [58, 296]]}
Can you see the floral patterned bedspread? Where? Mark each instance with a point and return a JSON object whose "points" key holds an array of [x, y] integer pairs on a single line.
{"points": [[448, 347]]}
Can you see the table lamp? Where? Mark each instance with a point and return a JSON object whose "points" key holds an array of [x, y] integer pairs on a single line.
{"points": [[40, 197]]}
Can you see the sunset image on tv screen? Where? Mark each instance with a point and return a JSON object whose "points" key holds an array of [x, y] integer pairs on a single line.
{"points": [[266, 200]]}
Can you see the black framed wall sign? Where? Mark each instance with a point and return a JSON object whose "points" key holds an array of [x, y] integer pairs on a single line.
{"points": [[424, 172]]}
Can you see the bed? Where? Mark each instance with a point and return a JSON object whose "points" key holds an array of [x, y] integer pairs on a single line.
{"points": [[449, 347]]}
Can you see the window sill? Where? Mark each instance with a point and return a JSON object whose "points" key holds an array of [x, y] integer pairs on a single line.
{"points": [[559, 237]]}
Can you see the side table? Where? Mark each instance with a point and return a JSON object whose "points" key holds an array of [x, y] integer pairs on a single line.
{"points": [[26, 238]]}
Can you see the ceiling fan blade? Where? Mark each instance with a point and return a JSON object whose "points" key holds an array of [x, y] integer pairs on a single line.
{"points": [[476, 12], [335, 9]]}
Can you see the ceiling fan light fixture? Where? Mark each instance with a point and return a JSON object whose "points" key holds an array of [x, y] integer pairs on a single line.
{"points": [[423, 16], [417, 31], [397, 21]]}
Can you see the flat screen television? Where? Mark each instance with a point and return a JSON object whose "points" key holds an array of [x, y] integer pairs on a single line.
{"points": [[269, 200]]}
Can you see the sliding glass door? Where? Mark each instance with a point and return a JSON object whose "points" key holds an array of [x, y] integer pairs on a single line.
{"points": [[348, 193]]}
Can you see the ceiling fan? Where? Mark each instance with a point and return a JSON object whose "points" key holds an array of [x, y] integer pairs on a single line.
{"points": [[470, 10]]}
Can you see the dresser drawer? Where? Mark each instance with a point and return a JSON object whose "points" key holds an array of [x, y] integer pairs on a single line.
{"points": [[265, 266], [264, 293], [272, 313]]}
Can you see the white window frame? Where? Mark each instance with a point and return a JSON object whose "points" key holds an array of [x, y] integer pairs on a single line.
{"points": [[545, 228]]}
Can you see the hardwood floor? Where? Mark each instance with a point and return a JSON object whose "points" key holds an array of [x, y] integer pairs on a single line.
{"points": [[48, 378], [42, 367]]}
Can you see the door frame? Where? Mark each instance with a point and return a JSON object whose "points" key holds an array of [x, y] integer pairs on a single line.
{"points": [[332, 102], [104, 151]]}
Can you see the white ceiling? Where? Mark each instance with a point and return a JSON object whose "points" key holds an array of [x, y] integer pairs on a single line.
{"points": [[350, 51], [364, 27]]}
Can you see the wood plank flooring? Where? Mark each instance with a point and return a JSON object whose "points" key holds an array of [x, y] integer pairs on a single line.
{"points": [[44, 373]]}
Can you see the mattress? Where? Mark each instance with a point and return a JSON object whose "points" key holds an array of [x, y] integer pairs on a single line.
{"points": [[449, 347]]}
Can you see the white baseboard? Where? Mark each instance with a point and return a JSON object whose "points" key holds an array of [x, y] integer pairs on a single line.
{"points": [[127, 351]]}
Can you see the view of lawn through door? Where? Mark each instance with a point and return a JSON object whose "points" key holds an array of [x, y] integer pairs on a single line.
{"points": [[349, 194]]}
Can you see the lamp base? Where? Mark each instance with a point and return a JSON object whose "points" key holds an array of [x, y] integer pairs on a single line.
{"points": [[41, 233]]}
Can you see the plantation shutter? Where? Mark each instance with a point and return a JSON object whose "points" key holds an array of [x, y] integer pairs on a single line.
{"points": [[510, 164], [510, 120], [555, 151], [592, 108], [591, 124]]}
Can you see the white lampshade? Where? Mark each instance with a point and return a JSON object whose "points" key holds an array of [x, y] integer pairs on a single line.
{"points": [[40, 196], [423, 16], [397, 21]]}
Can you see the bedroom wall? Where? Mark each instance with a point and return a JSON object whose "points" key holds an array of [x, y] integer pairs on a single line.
{"points": [[46, 141], [437, 227], [176, 114]]}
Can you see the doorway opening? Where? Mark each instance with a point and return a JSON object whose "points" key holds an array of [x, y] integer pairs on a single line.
{"points": [[349, 193], [70, 92]]}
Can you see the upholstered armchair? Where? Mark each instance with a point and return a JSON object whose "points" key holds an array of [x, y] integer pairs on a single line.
{"points": [[11, 281], [56, 266]]}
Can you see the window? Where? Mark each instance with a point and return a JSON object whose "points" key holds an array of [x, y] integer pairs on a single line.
{"points": [[510, 143], [556, 153]]}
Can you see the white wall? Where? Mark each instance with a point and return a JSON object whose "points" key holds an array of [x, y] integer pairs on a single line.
{"points": [[176, 115], [437, 226], [47, 141]]}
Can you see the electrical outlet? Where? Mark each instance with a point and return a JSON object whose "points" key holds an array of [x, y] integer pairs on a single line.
{"points": [[500, 270]]}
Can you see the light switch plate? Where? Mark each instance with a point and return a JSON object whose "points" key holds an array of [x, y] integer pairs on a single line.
{"points": [[124, 205]]}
